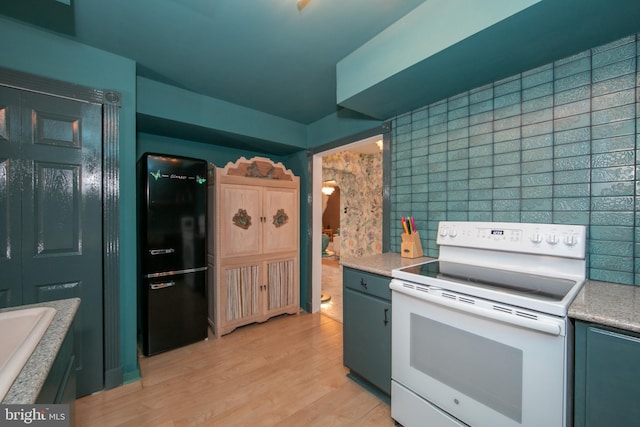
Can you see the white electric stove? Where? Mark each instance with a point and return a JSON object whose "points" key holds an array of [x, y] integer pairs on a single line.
{"points": [[480, 336]]}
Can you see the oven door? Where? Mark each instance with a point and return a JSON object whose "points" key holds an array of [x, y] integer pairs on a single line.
{"points": [[471, 359]]}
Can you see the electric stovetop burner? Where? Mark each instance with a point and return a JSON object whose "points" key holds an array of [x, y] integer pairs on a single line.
{"points": [[525, 284]]}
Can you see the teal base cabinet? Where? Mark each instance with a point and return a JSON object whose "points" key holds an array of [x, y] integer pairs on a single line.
{"points": [[607, 377], [60, 385], [367, 327]]}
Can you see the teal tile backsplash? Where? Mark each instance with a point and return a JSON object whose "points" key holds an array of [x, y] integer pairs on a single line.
{"points": [[556, 144]]}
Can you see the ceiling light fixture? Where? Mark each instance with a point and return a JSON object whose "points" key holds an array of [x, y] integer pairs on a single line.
{"points": [[302, 4], [328, 190]]}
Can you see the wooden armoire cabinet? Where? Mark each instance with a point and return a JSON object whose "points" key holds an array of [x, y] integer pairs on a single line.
{"points": [[256, 244]]}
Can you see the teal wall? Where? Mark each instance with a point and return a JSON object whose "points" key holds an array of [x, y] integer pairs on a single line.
{"points": [[204, 150], [556, 144], [179, 105]]}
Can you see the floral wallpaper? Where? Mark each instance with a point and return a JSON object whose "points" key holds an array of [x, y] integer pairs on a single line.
{"points": [[359, 177]]}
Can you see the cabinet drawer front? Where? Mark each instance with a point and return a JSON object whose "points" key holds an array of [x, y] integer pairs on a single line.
{"points": [[369, 283]]}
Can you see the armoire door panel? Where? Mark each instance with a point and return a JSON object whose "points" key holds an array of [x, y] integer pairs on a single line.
{"points": [[242, 298], [281, 224], [241, 215], [281, 283]]}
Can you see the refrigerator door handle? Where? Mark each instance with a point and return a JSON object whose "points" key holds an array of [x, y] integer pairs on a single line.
{"points": [[175, 272], [156, 286], [161, 251]]}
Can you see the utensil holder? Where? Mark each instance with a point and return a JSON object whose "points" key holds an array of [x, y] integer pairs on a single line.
{"points": [[411, 246]]}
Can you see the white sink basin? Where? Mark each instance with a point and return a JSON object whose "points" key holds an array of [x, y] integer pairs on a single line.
{"points": [[20, 333]]}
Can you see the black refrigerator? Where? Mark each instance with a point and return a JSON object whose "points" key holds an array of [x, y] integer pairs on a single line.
{"points": [[172, 252]]}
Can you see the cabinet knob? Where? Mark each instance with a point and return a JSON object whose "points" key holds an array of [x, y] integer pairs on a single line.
{"points": [[363, 283]]}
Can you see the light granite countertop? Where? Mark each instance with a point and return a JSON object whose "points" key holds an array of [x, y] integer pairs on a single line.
{"points": [[27, 386], [382, 263], [608, 304]]}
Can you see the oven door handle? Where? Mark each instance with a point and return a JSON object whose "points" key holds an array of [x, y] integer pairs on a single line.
{"points": [[509, 318]]}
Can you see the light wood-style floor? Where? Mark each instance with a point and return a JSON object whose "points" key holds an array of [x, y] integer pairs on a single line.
{"points": [[285, 372]]}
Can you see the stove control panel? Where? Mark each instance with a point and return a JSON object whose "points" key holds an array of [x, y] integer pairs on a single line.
{"points": [[546, 239]]}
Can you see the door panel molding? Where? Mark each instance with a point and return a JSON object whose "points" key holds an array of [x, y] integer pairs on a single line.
{"points": [[57, 190], [55, 129], [10, 170], [110, 101], [4, 123]]}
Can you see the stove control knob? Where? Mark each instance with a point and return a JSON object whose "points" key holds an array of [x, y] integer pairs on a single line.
{"points": [[536, 238], [552, 239], [570, 240], [443, 232], [453, 232]]}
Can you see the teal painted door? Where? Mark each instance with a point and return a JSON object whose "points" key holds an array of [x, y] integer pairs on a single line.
{"points": [[367, 337], [51, 152]]}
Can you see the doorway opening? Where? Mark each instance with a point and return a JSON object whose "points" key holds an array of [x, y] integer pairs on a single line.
{"points": [[354, 173]]}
